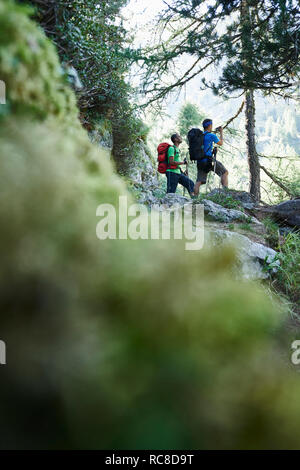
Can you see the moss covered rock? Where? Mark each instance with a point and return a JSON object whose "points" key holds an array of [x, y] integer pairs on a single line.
{"points": [[30, 68], [101, 347]]}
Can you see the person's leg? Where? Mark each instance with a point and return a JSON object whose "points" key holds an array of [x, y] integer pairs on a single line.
{"points": [[201, 179], [168, 184], [197, 188], [172, 179], [224, 179], [223, 173], [187, 183]]}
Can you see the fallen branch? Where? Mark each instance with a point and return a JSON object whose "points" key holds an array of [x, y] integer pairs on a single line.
{"points": [[277, 181], [291, 158]]}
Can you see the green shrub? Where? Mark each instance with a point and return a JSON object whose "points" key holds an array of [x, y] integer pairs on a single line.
{"points": [[272, 235], [289, 271], [90, 36], [247, 226], [225, 200]]}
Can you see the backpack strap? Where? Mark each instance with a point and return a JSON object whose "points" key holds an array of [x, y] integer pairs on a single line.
{"points": [[168, 152]]}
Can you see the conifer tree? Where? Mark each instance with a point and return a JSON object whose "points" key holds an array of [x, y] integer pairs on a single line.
{"points": [[255, 44], [189, 116]]}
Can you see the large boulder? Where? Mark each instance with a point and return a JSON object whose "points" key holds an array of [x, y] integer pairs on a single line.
{"points": [[288, 212], [255, 260], [171, 199], [245, 199], [141, 171], [222, 214]]}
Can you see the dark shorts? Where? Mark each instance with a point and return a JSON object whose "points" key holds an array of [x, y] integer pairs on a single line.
{"points": [[202, 174], [173, 179]]}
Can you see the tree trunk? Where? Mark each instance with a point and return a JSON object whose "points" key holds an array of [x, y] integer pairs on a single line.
{"points": [[246, 54], [253, 159]]}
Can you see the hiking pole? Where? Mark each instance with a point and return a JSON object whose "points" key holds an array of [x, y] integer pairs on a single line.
{"points": [[186, 173], [214, 155], [215, 164], [215, 151], [207, 183]]}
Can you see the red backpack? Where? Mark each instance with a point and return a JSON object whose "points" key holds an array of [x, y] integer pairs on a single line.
{"points": [[162, 158]]}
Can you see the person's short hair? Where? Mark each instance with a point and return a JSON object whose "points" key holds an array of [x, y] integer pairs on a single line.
{"points": [[173, 137], [206, 123]]}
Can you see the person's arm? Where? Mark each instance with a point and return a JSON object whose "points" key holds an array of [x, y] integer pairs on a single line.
{"points": [[171, 159], [220, 141]]}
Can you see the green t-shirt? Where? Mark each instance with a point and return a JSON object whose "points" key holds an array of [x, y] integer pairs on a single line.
{"points": [[174, 152]]}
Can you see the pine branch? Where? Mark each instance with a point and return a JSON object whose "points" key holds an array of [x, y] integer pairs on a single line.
{"points": [[163, 92]]}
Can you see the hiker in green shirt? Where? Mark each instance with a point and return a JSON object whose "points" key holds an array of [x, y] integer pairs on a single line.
{"points": [[174, 174]]}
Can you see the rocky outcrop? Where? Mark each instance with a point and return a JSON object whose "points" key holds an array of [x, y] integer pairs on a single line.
{"points": [[104, 139], [100, 134], [287, 212], [255, 260], [73, 76], [143, 175], [222, 214], [245, 199], [142, 168], [174, 199]]}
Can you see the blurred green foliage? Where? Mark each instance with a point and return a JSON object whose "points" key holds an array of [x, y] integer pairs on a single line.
{"points": [[30, 68], [102, 350], [189, 116]]}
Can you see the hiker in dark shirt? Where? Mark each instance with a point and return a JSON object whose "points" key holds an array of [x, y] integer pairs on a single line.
{"points": [[174, 173], [209, 139]]}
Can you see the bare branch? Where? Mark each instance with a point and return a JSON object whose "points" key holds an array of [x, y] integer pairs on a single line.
{"points": [[235, 116], [276, 181], [291, 158]]}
